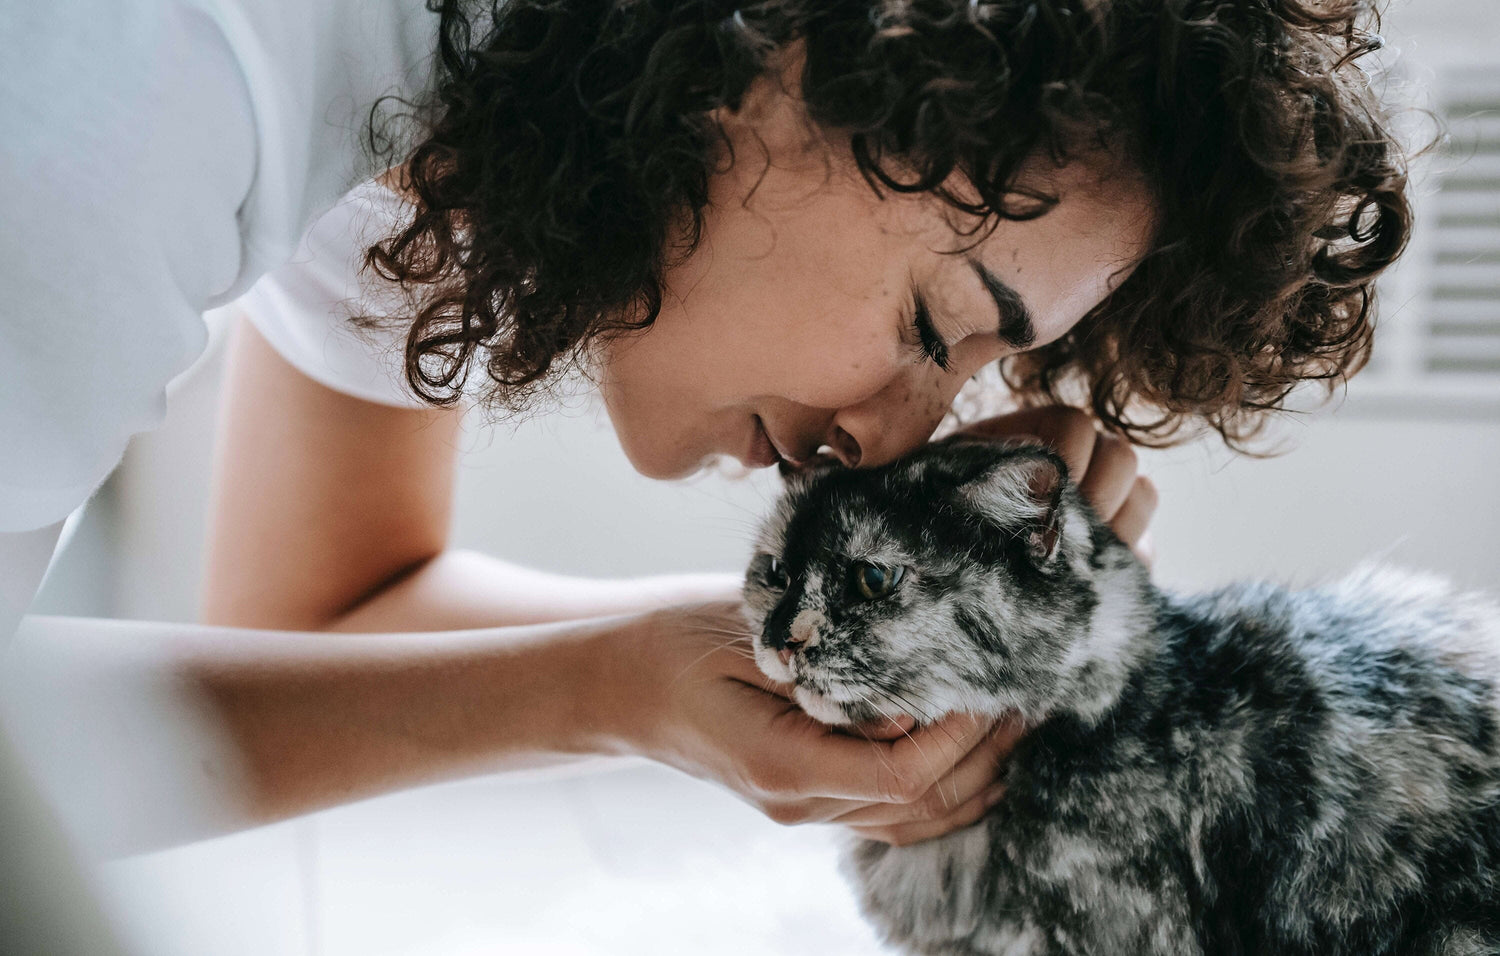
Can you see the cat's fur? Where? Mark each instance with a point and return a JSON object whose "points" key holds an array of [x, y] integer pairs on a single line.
{"points": [[1253, 771]]}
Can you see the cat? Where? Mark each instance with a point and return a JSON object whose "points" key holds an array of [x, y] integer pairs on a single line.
{"points": [[1251, 771]]}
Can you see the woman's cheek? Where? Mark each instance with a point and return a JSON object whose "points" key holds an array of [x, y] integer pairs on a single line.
{"points": [[839, 373]]}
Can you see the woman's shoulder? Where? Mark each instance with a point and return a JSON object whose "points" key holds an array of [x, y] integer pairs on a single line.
{"points": [[318, 74], [329, 315]]}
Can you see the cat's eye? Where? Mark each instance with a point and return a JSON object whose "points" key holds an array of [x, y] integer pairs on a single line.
{"points": [[873, 581], [774, 574]]}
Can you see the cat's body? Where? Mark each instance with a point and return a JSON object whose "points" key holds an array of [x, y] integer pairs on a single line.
{"points": [[1253, 771]]}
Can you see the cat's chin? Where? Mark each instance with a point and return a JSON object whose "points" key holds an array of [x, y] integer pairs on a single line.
{"points": [[854, 714], [822, 709], [771, 665]]}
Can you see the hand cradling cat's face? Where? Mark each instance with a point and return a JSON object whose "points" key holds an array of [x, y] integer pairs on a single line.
{"points": [[958, 579]]}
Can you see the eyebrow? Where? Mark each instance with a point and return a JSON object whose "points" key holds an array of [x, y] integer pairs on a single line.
{"points": [[1017, 328]]}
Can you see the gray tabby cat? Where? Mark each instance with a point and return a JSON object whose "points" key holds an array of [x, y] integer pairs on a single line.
{"points": [[1250, 771]]}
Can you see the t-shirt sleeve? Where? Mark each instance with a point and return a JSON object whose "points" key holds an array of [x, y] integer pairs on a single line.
{"points": [[306, 308]]}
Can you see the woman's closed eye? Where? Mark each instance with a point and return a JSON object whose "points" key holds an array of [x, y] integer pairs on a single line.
{"points": [[930, 343]]}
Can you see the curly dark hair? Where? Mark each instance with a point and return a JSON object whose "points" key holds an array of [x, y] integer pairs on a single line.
{"points": [[569, 145]]}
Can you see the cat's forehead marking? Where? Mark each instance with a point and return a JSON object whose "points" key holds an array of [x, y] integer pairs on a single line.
{"points": [[812, 592]]}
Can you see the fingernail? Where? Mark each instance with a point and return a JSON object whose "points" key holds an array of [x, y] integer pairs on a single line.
{"points": [[994, 794]]}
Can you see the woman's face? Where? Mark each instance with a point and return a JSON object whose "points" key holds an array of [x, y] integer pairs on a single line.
{"points": [[794, 325]]}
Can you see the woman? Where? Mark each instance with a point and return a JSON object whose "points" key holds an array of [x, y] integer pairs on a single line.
{"points": [[767, 230]]}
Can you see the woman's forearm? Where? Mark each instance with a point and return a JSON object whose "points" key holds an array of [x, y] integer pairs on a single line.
{"points": [[321, 720], [465, 589], [153, 734]]}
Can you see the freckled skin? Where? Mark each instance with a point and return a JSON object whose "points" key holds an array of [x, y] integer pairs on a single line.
{"points": [[797, 306], [1251, 771]]}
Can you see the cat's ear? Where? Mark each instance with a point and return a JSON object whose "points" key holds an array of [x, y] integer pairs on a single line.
{"points": [[796, 476], [1044, 483], [1023, 491]]}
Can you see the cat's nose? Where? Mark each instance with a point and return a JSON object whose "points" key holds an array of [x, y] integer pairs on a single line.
{"points": [[804, 628], [786, 638], [792, 644]]}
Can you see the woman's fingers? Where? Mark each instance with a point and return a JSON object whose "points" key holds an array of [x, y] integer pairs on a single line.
{"points": [[1134, 515], [887, 728], [967, 813], [802, 759], [1066, 431], [1111, 472], [1145, 549], [973, 775], [894, 781], [914, 763]]}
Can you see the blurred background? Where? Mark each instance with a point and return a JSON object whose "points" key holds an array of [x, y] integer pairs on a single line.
{"points": [[624, 857]]}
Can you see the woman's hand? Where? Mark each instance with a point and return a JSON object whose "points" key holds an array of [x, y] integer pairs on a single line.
{"points": [[694, 699], [1102, 465]]}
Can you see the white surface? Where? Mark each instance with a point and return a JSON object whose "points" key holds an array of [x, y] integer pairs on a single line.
{"points": [[612, 859], [1417, 491]]}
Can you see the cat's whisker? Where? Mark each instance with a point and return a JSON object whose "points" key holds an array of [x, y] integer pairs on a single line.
{"points": [[924, 719], [878, 753], [754, 517], [743, 528], [709, 629], [887, 716], [707, 619], [922, 753], [729, 646], [916, 712]]}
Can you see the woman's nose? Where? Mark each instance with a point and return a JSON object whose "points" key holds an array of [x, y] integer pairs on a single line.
{"points": [[898, 420], [845, 447]]}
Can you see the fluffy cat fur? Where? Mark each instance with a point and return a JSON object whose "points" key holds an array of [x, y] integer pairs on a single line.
{"points": [[1255, 770]]}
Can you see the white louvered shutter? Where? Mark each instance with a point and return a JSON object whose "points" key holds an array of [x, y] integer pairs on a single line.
{"points": [[1437, 340], [1463, 327]]}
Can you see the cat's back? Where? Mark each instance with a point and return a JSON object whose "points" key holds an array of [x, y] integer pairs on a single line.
{"points": [[1345, 741], [1381, 648]]}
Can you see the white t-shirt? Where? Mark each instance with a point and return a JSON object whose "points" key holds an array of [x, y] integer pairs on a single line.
{"points": [[305, 306], [158, 156]]}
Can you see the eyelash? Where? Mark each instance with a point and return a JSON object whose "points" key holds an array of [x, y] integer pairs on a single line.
{"points": [[932, 344]]}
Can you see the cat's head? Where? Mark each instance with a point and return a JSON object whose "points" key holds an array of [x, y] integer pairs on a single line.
{"points": [[969, 576]]}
